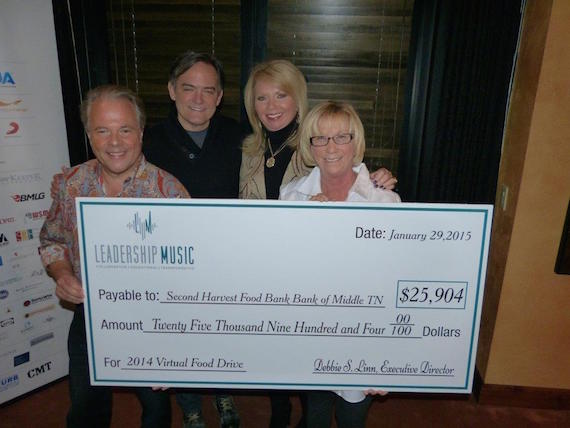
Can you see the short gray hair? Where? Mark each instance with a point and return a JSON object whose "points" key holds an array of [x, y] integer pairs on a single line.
{"points": [[112, 92]]}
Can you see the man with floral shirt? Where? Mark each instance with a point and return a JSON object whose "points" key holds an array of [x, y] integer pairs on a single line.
{"points": [[114, 119]]}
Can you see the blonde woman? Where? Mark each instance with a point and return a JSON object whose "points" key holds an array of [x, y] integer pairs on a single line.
{"points": [[332, 138], [276, 102], [275, 99]]}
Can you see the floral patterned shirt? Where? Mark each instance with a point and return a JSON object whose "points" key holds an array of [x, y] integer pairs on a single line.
{"points": [[58, 236]]}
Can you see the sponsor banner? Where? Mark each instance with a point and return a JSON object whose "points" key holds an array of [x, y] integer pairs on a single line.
{"points": [[33, 147]]}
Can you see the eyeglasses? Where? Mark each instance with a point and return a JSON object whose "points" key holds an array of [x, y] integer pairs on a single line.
{"points": [[340, 139]]}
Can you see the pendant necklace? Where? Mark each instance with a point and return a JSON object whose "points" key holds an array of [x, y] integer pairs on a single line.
{"points": [[270, 162]]}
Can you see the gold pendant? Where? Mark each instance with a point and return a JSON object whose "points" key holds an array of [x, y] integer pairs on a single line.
{"points": [[270, 162]]}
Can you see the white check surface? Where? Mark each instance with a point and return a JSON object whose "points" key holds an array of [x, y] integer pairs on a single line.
{"points": [[271, 294]]}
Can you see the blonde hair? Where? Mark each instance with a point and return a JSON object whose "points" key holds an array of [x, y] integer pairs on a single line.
{"points": [[330, 110], [287, 78]]}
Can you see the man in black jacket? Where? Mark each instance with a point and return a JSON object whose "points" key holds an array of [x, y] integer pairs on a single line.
{"points": [[201, 148], [195, 143]]}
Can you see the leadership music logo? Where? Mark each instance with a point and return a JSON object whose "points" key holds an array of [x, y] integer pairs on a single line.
{"points": [[142, 226]]}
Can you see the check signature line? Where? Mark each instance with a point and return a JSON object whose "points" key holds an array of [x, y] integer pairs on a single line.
{"points": [[379, 374]]}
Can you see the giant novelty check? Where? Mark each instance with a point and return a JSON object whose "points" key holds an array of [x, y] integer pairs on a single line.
{"points": [[272, 294]]}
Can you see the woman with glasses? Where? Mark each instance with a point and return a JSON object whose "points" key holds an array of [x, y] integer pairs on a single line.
{"points": [[332, 138], [275, 99]]}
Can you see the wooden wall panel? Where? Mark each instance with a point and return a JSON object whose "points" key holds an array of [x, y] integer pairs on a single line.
{"points": [[353, 51], [157, 31]]}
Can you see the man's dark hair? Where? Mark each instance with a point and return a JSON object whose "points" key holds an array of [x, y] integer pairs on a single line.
{"points": [[184, 61]]}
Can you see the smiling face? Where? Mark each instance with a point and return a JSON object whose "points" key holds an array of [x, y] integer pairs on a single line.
{"points": [[273, 106], [115, 136], [196, 94], [334, 160]]}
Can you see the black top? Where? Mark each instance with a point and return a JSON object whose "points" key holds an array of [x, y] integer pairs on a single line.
{"points": [[274, 175], [208, 172]]}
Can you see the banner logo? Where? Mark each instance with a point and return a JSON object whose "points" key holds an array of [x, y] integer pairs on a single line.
{"points": [[9, 381], [13, 129], [142, 227], [24, 235], [38, 299], [6, 322], [29, 197], [37, 340], [46, 367], [10, 281], [37, 272], [21, 359], [21, 178], [10, 103], [6, 79], [39, 311], [3, 240], [144, 254], [37, 215]]}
